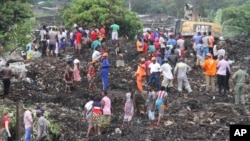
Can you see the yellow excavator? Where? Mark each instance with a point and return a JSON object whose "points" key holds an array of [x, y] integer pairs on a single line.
{"points": [[192, 24]]}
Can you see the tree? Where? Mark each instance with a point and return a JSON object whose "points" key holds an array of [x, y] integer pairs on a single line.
{"points": [[95, 13], [12, 12]]}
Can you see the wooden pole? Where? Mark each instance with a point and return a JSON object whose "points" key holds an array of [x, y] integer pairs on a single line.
{"points": [[18, 136]]}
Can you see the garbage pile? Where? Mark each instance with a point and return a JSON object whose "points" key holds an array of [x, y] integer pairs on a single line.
{"points": [[200, 116]]}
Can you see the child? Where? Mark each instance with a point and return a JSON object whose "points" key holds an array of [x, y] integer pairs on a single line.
{"points": [[162, 112], [91, 75], [68, 78]]}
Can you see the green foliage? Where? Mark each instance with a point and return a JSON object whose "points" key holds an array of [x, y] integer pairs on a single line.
{"points": [[95, 13], [19, 35], [218, 17], [235, 20], [13, 14]]}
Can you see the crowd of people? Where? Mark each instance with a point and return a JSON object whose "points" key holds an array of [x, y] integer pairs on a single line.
{"points": [[163, 60], [28, 122]]}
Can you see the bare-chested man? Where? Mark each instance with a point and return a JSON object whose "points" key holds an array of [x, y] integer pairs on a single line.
{"points": [[6, 76]]}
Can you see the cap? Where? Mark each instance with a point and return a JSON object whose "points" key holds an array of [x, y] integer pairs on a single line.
{"points": [[38, 112], [209, 54], [170, 46], [153, 59], [143, 59], [25, 106], [75, 25], [105, 54], [76, 61], [221, 38], [165, 60]]}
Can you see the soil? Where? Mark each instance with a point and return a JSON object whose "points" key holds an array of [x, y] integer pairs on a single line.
{"points": [[199, 116]]}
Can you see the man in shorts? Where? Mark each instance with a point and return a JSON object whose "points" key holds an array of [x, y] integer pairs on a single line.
{"points": [[78, 41]]}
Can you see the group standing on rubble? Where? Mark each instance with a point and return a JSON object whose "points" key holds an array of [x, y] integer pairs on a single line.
{"points": [[163, 60]]}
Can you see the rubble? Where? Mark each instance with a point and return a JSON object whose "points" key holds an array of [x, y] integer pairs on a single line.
{"points": [[200, 116]]}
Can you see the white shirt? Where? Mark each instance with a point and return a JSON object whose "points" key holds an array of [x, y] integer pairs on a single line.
{"points": [[180, 43], [96, 55], [71, 35], [215, 50], [161, 41], [43, 33], [27, 119], [166, 71], [221, 52], [154, 67]]}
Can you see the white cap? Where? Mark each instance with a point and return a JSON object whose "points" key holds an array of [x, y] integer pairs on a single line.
{"points": [[221, 38], [75, 25], [76, 61]]}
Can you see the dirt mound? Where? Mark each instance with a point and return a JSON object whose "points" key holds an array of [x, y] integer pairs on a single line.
{"points": [[199, 117]]}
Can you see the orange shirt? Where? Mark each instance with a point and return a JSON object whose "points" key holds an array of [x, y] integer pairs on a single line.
{"points": [[209, 65], [141, 72], [211, 42], [139, 46]]}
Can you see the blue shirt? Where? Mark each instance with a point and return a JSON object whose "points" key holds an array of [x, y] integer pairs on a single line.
{"points": [[197, 38], [105, 64], [171, 42], [167, 53], [199, 49]]}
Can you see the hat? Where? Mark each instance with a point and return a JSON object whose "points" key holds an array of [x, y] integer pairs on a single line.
{"points": [[143, 59], [170, 46], [209, 54], [75, 25], [165, 60], [105, 54], [221, 38], [26, 106], [153, 59], [76, 61], [38, 112], [92, 62]]}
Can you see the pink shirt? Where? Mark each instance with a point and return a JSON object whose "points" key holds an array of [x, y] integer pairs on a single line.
{"points": [[222, 67], [27, 119], [107, 106]]}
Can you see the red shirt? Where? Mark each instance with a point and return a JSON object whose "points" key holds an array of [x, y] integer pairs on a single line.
{"points": [[6, 118], [78, 38], [102, 32], [68, 76], [145, 48], [93, 35], [91, 71]]}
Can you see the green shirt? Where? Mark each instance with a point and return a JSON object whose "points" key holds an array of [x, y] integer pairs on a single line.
{"points": [[240, 76], [95, 44], [151, 48], [115, 27]]}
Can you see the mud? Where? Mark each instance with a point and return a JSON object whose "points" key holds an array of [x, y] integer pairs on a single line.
{"points": [[200, 116]]}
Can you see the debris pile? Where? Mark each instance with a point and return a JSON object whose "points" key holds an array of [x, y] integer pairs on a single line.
{"points": [[200, 116]]}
